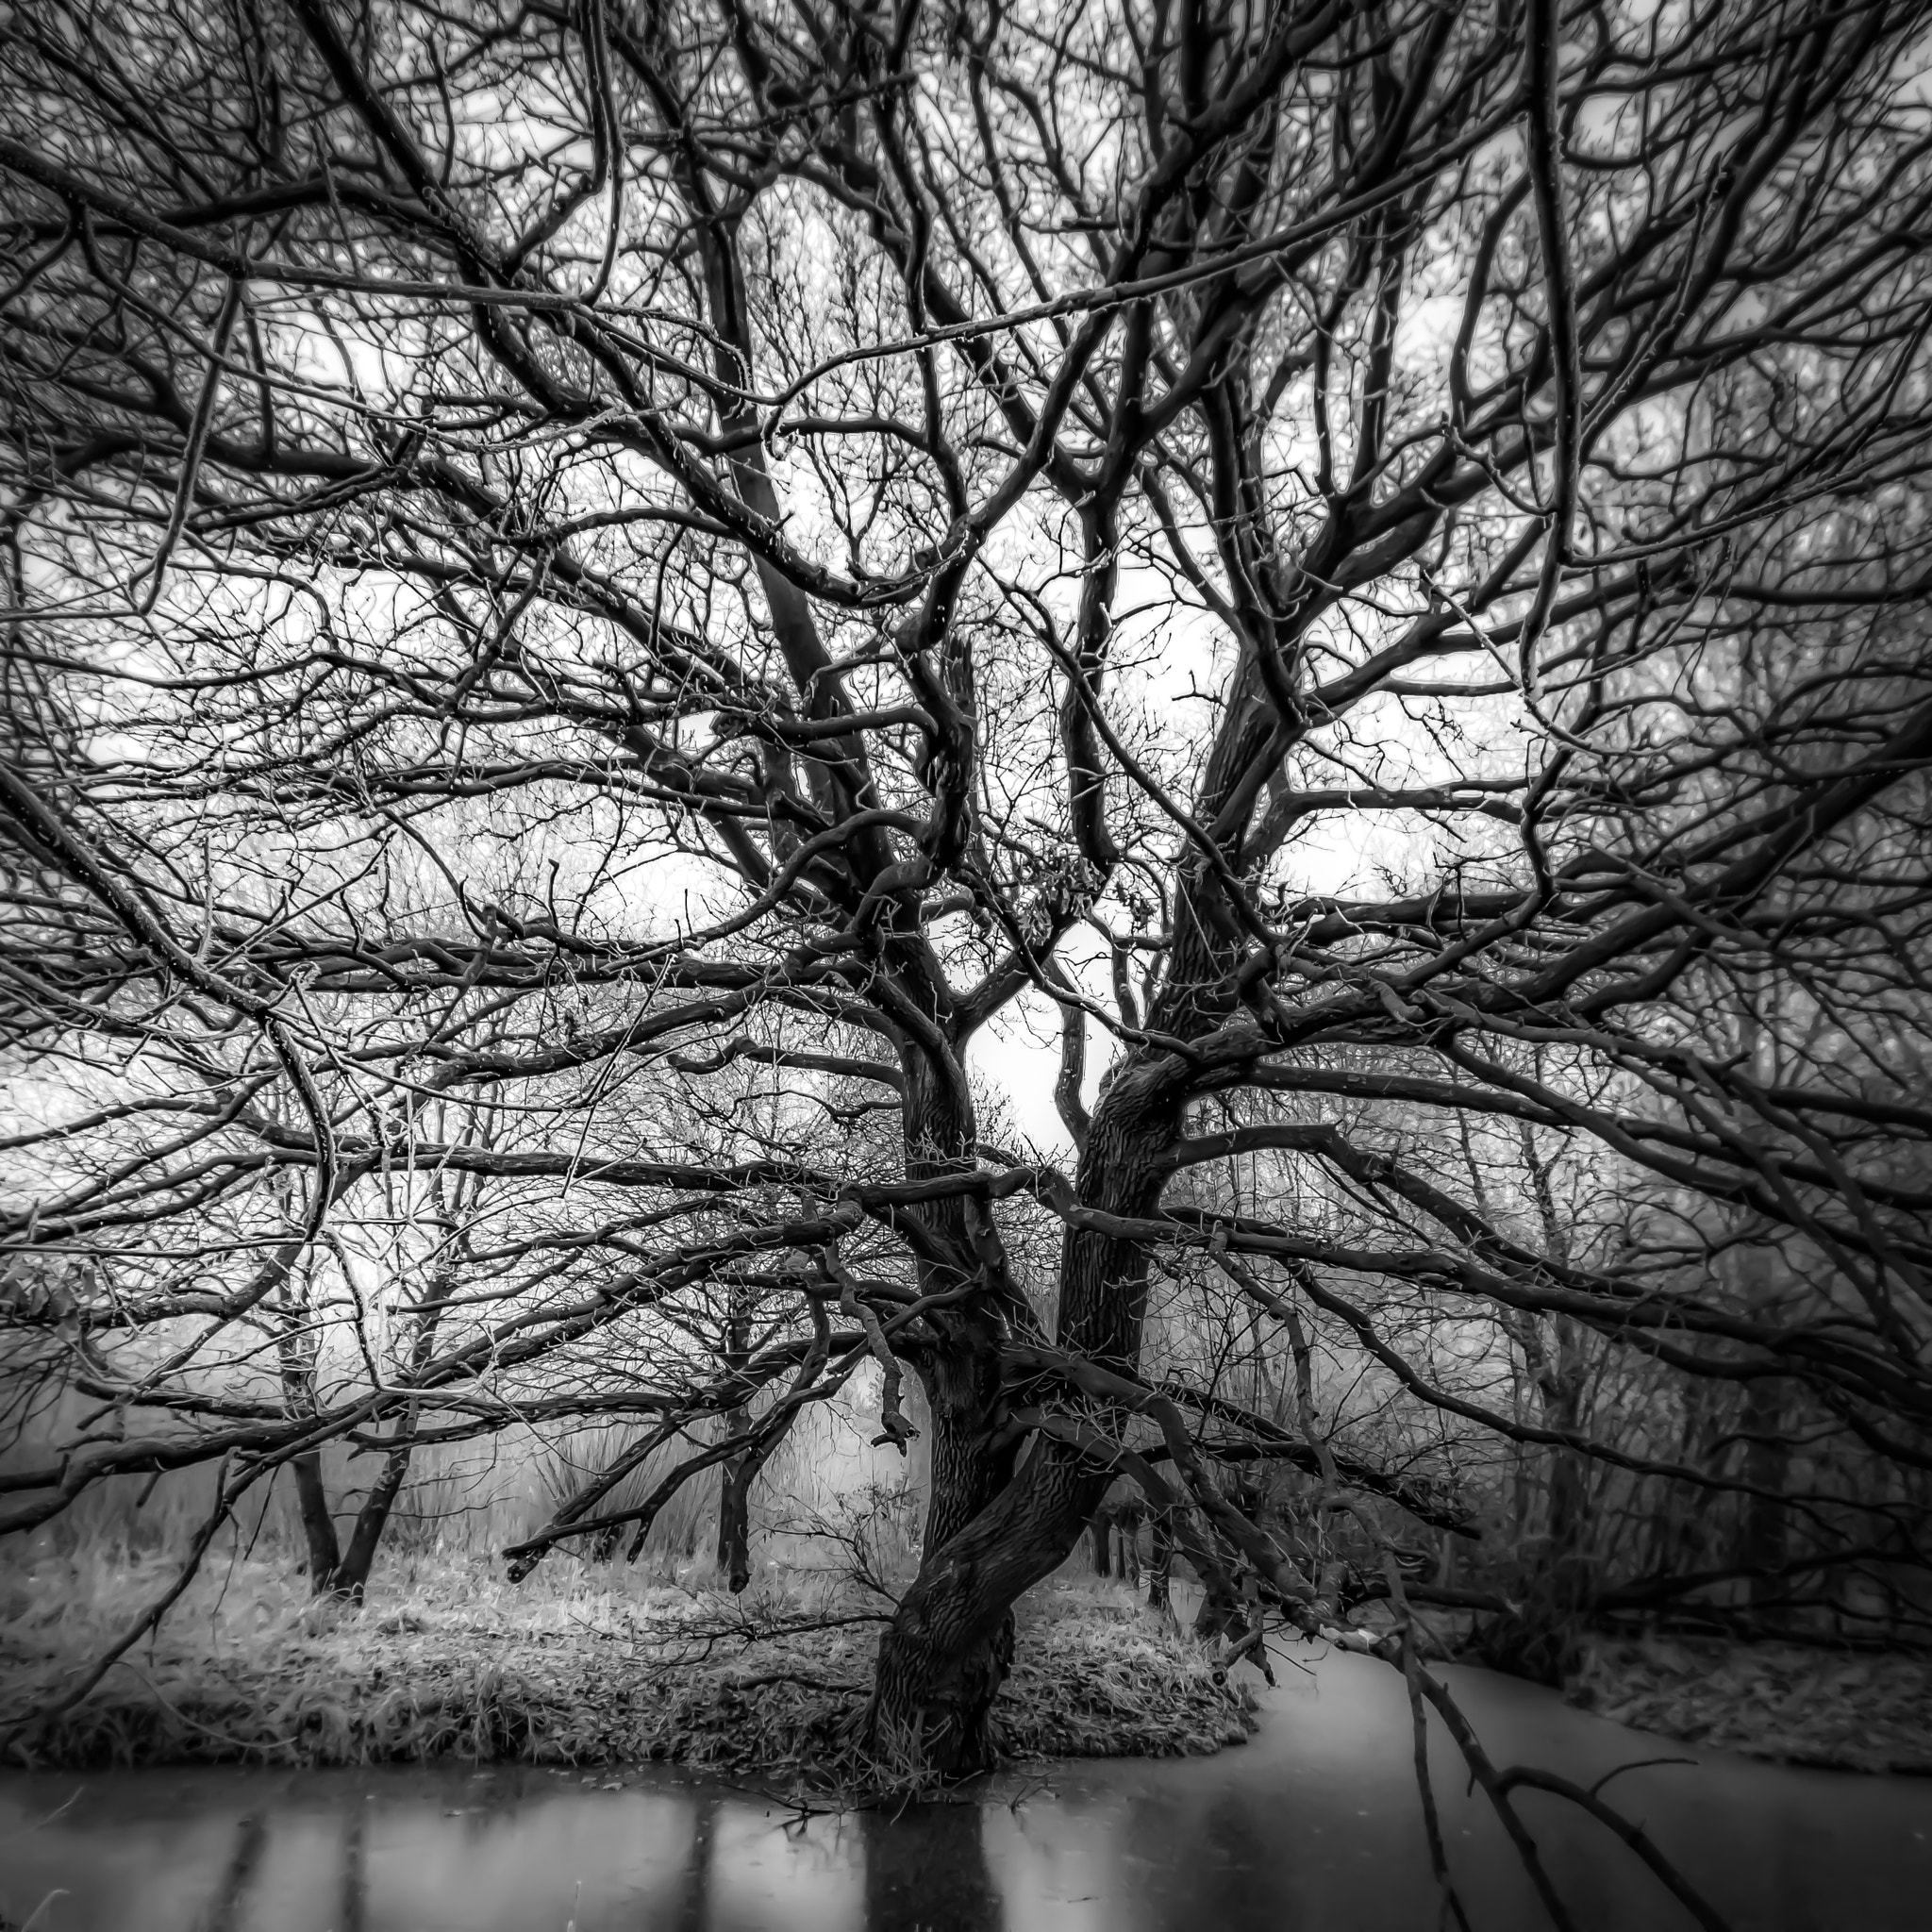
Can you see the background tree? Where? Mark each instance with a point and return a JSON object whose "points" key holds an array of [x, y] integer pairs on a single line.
{"points": [[1371, 555]]}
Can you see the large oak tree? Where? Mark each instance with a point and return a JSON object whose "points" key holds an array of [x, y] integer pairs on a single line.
{"points": [[596, 590]]}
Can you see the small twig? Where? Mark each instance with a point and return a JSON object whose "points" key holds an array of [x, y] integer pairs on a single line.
{"points": [[1637, 1764]]}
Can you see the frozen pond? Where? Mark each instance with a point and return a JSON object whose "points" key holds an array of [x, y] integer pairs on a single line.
{"points": [[1313, 1824]]}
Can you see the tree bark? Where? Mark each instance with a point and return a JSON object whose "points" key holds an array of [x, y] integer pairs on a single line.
{"points": [[734, 1513], [938, 1674], [351, 1578], [296, 1353], [734, 1488], [1160, 1565], [1765, 1542], [318, 1526], [942, 1660]]}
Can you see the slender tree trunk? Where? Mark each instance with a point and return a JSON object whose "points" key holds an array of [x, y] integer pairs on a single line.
{"points": [[1540, 1642], [1127, 1518], [311, 1499], [734, 1508], [734, 1487], [351, 1577], [1765, 1542], [318, 1526], [1764, 1534], [1161, 1566], [734, 1513], [1563, 1409], [295, 1356]]}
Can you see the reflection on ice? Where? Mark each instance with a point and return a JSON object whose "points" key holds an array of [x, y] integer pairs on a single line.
{"points": [[1312, 1825]]}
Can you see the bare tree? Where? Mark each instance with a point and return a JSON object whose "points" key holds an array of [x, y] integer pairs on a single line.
{"points": [[1362, 552]]}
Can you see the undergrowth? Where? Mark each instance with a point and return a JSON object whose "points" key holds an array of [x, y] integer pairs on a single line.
{"points": [[452, 1663], [1789, 1703]]}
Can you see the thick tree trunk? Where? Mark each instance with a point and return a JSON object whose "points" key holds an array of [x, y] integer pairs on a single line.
{"points": [[988, 1538], [936, 1676], [946, 1653]]}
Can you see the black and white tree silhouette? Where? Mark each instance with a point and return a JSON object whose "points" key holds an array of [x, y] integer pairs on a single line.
{"points": [[596, 590]]}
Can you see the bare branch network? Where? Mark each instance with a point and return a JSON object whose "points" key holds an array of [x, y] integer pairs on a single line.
{"points": [[596, 591]]}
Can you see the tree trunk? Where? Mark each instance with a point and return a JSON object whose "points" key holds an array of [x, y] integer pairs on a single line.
{"points": [[1542, 1643], [1764, 1536], [1127, 1519], [734, 1508], [1160, 1565], [734, 1487], [940, 1669], [734, 1512], [943, 1657], [296, 1351], [1765, 1542], [318, 1526], [1219, 1614], [945, 1654], [351, 1578]]}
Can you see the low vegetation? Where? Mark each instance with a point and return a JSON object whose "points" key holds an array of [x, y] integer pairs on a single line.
{"points": [[1795, 1704], [452, 1664]]}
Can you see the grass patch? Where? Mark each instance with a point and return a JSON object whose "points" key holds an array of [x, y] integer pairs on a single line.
{"points": [[453, 1665]]}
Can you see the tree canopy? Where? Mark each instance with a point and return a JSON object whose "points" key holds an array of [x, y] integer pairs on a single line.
{"points": [[597, 590]]}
